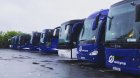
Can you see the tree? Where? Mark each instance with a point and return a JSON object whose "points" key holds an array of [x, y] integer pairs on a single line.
{"points": [[5, 36]]}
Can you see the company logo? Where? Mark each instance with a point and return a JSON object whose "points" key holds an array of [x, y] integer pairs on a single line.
{"points": [[111, 59]]}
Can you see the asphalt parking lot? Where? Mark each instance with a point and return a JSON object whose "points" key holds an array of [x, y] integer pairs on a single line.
{"points": [[25, 64]]}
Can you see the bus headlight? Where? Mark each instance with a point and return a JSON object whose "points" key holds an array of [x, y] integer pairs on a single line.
{"points": [[94, 53]]}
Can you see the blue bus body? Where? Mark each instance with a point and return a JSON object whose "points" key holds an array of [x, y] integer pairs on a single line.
{"points": [[91, 41], [49, 40], [123, 37], [24, 41], [68, 37], [14, 42], [54, 41], [46, 36], [35, 41]]}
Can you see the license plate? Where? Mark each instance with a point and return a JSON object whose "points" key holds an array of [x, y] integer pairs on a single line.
{"points": [[83, 58], [116, 68]]}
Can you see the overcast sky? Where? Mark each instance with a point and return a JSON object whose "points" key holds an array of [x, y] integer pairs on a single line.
{"points": [[36, 15]]}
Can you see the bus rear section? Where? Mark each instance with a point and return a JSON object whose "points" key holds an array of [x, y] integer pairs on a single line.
{"points": [[123, 37], [68, 37], [92, 38], [24, 41], [35, 41]]}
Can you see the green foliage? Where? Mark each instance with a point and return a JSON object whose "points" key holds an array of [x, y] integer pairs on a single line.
{"points": [[5, 36]]}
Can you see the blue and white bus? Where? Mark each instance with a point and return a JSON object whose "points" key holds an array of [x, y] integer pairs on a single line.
{"points": [[35, 41], [123, 37], [24, 41], [92, 38], [49, 40], [14, 42], [68, 37], [54, 41]]}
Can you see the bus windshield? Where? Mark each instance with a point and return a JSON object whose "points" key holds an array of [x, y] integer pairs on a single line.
{"points": [[24, 39], [46, 35], [122, 27], [87, 32], [35, 38], [64, 35]]}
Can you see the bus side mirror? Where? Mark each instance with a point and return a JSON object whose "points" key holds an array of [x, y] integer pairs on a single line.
{"points": [[76, 31], [95, 23], [66, 27], [137, 15], [77, 25]]}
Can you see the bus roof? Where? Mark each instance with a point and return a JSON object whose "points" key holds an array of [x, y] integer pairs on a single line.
{"points": [[72, 21], [46, 30], [103, 12], [123, 2], [57, 27]]}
